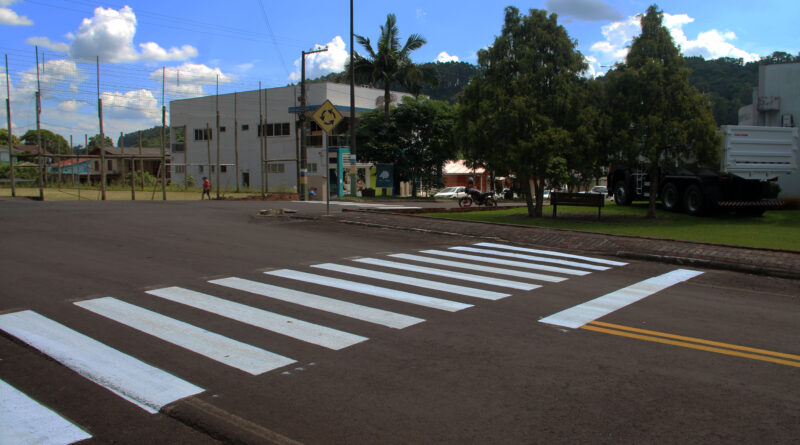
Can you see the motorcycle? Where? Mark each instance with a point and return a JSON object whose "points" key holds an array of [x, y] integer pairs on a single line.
{"points": [[476, 197]]}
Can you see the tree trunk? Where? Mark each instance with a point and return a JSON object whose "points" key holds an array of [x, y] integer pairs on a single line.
{"points": [[539, 190], [387, 98], [654, 185], [529, 200]]}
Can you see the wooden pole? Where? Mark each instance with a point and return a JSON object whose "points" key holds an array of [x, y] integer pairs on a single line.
{"points": [[102, 137], [141, 161], [208, 145], [39, 127], [219, 137], [266, 143], [10, 145], [163, 129], [185, 161], [235, 137], [262, 131]]}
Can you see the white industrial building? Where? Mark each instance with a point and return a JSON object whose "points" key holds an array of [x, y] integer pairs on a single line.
{"points": [[194, 137]]}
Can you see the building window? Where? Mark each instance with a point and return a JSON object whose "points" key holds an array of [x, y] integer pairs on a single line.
{"points": [[111, 165], [200, 169], [223, 168], [312, 167], [96, 165], [279, 129], [245, 127], [202, 134], [180, 168], [222, 129], [277, 168]]}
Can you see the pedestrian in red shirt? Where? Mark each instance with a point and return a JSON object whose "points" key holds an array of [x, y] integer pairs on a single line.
{"points": [[206, 189]]}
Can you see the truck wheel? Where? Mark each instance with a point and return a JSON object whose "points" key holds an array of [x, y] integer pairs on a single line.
{"points": [[670, 197], [693, 200], [622, 194]]}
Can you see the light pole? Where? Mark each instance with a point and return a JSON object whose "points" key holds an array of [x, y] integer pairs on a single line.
{"points": [[303, 186]]}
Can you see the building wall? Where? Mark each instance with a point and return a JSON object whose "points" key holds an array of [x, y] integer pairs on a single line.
{"points": [[275, 105]]}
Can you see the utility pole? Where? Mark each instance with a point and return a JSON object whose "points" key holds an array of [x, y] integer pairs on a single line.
{"points": [[10, 145], [353, 179], [163, 130], [219, 137], [236, 136], [262, 133], [266, 141], [39, 126], [303, 186], [102, 137], [208, 146]]}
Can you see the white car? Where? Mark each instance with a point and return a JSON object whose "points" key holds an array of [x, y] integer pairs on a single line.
{"points": [[451, 193]]}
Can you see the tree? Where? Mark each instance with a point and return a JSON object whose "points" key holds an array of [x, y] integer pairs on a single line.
{"points": [[518, 113], [391, 61], [417, 139], [94, 142], [53, 143], [658, 115], [4, 138]]}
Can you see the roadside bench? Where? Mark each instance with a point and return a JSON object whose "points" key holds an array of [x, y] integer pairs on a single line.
{"points": [[576, 199]]}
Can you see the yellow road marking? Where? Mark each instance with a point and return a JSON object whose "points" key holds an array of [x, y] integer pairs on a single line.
{"points": [[699, 344]]}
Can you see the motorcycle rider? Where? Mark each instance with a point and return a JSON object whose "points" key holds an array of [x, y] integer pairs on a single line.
{"points": [[473, 193]]}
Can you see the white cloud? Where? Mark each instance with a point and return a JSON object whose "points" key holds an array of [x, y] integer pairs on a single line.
{"points": [[588, 10], [70, 106], [421, 14], [189, 79], [131, 105], [109, 35], [47, 43], [54, 75], [443, 57], [318, 64], [9, 17], [711, 44]]}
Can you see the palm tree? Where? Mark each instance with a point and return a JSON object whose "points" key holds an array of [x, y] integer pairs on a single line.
{"points": [[391, 62]]}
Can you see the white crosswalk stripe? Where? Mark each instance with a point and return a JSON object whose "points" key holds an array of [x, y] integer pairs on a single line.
{"points": [[479, 267], [135, 381], [214, 346], [25, 421], [530, 258], [291, 327], [383, 292], [521, 264], [552, 253], [581, 314], [428, 284], [449, 274], [347, 309]]}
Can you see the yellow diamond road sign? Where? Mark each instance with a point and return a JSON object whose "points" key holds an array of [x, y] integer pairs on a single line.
{"points": [[327, 116]]}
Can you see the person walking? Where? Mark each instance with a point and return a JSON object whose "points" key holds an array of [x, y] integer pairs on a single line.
{"points": [[206, 189]]}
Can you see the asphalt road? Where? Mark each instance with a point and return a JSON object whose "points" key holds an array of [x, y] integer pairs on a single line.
{"points": [[711, 358]]}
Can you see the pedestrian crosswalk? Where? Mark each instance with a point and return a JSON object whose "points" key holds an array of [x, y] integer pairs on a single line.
{"points": [[428, 281]]}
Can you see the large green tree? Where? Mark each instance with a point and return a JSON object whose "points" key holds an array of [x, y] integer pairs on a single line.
{"points": [[658, 116], [4, 138], [52, 142], [417, 139], [519, 112], [390, 62]]}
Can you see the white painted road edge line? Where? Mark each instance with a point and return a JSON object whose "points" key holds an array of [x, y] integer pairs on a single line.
{"points": [[25, 421], [230, 352], [410, 281], [291, 327], [503, 262], [383, 292], [449, 274], [339, 307], [133, 380], [581, 314], [530, 258], [552, 253], [480, 267]]}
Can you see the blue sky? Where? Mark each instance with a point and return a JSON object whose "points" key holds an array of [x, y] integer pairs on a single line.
{"points": [[247, 41]]}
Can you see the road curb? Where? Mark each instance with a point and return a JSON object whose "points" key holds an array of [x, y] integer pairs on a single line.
{"points": [[222, 425]]}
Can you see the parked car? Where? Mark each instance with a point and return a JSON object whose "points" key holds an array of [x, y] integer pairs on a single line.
{"points": [[603, 190], [546, 194], [451, 193]]}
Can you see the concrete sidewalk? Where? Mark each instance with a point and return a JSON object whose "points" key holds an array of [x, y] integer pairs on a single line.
{"points": [[770, 262]]}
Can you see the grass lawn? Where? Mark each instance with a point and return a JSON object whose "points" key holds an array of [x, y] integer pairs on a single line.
{"points": [[778, 229]]}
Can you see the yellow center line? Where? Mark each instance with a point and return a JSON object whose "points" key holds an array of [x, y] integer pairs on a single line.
{"points": [[622, 332], [697, 340]]}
